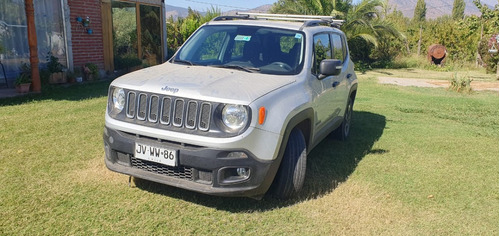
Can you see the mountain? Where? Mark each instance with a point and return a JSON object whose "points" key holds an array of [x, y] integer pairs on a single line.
{"points": [[183, 12], [175, 11], [261, 9], [437, 8]]}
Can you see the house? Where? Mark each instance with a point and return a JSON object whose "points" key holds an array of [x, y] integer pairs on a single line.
{"points": [[113, 34]]}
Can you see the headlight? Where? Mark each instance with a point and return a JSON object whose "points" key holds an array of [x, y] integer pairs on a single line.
{"points": [[235, 117], [118, 99]]}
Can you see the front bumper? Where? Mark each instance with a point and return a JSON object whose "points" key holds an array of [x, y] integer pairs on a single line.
{"points": [[199, 169]]}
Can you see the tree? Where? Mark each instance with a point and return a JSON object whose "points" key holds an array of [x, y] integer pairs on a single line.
{"points": [[458, 9], [363, 25], [337, 8], [179, 30], [420, 11], [489, 29]]}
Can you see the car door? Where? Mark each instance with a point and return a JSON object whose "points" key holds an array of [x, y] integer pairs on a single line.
{"points": [[325, 102], [340, 81]]}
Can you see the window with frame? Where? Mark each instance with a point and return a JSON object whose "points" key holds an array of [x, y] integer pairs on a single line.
{"points": [[322, 50], [338, 47]]}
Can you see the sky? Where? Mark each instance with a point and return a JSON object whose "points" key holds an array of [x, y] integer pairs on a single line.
{"points": [[224, 5]]}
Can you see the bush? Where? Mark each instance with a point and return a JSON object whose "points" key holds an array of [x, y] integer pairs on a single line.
{"points": [[127, 62], [460, 83], [53, 64], [91, 71]]}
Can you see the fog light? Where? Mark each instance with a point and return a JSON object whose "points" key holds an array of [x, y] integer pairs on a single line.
{"points": [[233, 175], [107, 151], [243, 172], [237, 155]]}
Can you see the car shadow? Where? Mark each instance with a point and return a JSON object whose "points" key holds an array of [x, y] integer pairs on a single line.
{"points": [[328, 165]]}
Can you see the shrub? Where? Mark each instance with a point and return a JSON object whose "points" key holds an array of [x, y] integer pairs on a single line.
{"points": [[91, 71], [53, 64], [460, 83], [127, 62]]}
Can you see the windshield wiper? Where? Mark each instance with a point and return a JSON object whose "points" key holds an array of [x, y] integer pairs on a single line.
{"points": [[243, 68], [184, 62]]}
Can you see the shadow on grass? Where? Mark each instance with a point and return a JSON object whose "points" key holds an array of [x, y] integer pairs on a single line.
{"points": [[73, 92], [328, 165]]}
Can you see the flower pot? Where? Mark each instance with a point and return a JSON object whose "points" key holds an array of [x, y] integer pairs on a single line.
{"points": [[23, 88]]}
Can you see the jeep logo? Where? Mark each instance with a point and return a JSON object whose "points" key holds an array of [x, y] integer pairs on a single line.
{"points": [[170, 89]]}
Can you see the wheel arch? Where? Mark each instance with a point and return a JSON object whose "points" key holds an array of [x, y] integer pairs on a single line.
{"points": [[353, 91], [302, 121]]}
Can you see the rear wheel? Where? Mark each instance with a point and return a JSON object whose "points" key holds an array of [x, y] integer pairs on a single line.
{"points": [[342, 132], [292, 171]]}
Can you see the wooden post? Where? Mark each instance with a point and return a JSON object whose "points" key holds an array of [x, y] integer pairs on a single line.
{"points": [[32, 43]]}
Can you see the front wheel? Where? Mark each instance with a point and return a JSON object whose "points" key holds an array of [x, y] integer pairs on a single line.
{"points": [[292, 171]]}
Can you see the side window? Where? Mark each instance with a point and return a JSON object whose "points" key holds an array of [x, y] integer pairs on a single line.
{"points": [[338, 47], [344, 46], [322, 50]]}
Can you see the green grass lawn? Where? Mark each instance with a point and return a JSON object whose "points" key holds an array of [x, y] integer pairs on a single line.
{"points": [[420, 161]]}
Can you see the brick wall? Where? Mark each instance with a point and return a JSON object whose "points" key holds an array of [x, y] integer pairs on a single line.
{"points": [[86, 47]]}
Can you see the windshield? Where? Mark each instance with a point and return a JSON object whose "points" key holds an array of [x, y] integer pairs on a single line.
{"points": [[249, 48]]}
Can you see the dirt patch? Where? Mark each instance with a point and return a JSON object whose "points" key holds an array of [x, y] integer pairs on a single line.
{"points": [[476, 85], [95, 171]]}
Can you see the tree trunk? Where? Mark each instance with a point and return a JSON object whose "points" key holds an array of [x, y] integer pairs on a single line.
{"points": [[408, 52], [419, 42], [32, 43]]}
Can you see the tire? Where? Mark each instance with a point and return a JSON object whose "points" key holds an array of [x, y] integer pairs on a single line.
{"points": [[292, 171], [343, 131]]}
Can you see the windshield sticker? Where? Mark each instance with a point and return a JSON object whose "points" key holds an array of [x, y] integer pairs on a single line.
{"points": [[298, 36], [242, 38]]}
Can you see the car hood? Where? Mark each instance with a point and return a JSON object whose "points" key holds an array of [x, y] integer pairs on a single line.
{"points": [[203, 82]]}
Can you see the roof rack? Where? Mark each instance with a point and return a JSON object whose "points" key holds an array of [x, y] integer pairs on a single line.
{"points": [[309, 20], [221, 18]]}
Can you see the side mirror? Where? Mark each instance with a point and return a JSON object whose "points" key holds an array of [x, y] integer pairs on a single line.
{"points": [[329, 67]]}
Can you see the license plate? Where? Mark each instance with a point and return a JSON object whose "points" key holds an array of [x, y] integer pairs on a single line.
{"points": [[156, 154]]}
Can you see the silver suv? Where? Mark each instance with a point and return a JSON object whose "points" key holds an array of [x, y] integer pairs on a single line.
{"points": [[237, 109]]}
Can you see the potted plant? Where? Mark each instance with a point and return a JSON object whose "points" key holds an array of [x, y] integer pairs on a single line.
{"points": [[86, 21], [78, 74], [56, 70], [91, 71], [23, 83], [70, 75]]}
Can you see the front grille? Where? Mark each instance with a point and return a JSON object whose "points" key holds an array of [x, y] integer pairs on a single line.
{"points": [[178, 112], [166, 111], [143, 105], [153, 108], [179, 172], [191, 114], [131, 105]]}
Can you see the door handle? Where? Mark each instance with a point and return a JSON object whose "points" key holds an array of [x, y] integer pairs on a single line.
{"points": [[349, 76], [335, 84]]}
